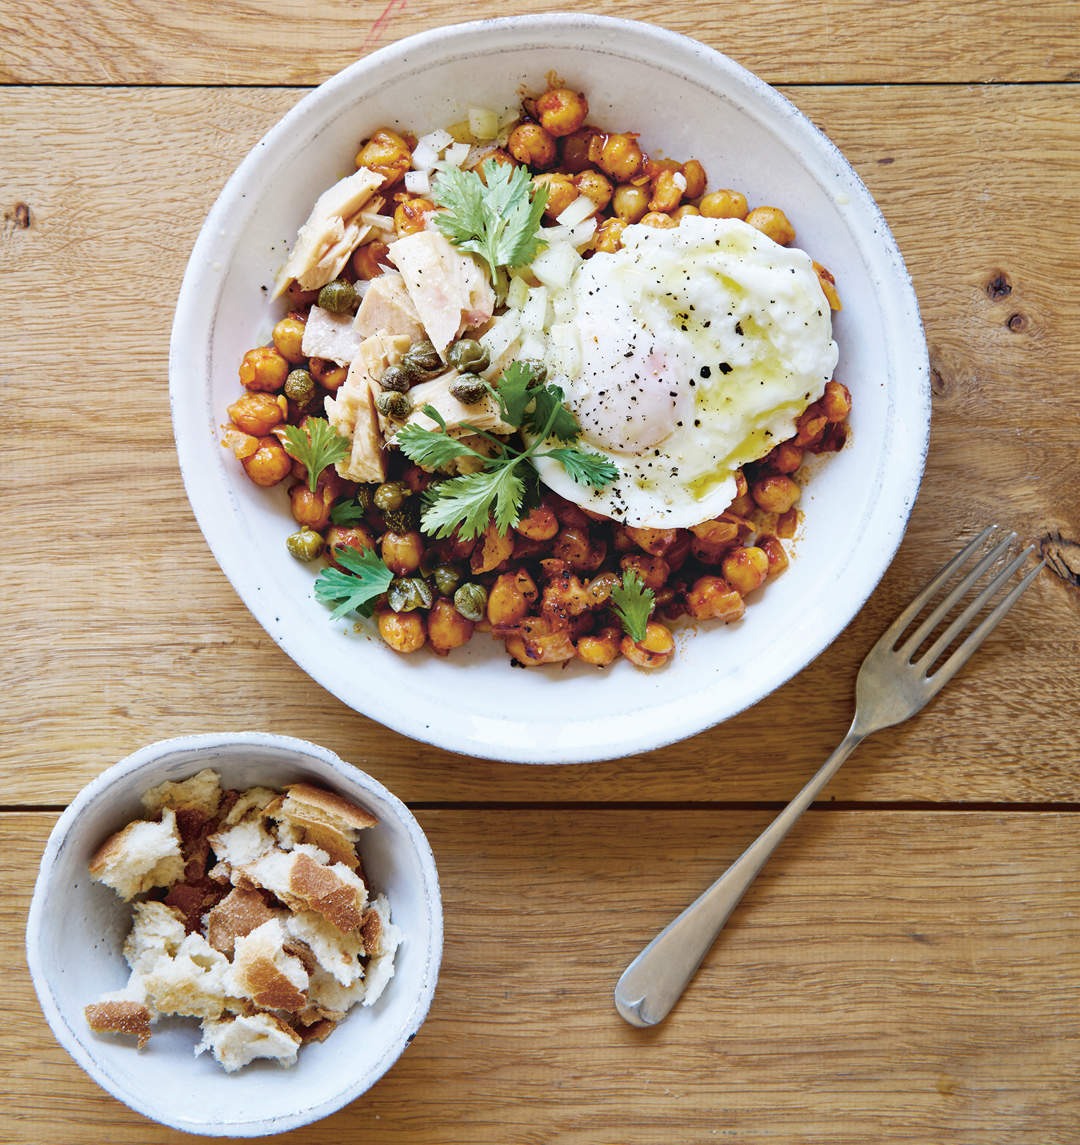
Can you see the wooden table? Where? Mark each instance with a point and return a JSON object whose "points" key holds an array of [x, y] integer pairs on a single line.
{"points": [[907, 966]]}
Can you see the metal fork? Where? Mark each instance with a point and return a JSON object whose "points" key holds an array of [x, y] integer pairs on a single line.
{"points": [[891, 686]]}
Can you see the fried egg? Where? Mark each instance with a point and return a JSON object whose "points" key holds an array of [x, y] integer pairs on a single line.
{"points": [[684, 355]]}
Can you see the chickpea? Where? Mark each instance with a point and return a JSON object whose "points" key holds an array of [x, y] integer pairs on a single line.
{"points": [[776, 494], [653, 571], [600, 588], [575, 546], [562, 111], [601, 648], [609, 237], [658, 220], [447, 628], [696, 179], [654, 541], [787, 457], [651, 651], [371, 259], [264, 369], [499, 156], [328, 373], [745, 568], [666, 190], [561, 193], [541, 524], [310, 509], [530, 144], [493, 549], [712, 598], [787, 524], [510, 597], [680, 213], [402, 552], [708, 552], [743, 505], [594, 186], [828, 285], [387, 154], [575, 150], [775, 551], [409, 215], [724, 205], [269, 464], [810, 426], [256, 413], [351, 537], [835, 402], [288, 337], [772, 222], [630, 202], [403, 631], [716, 532], [617, 155]]}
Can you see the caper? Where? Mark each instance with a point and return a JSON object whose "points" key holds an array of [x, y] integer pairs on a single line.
{"points": [[339, 297], [396, 378], [389, 495], [468, 389], [393, 404], [468, 356], [447, 577], [307, 545], [471, 601], [406, 594], [300, 387], [423, 356], [539, 371]]}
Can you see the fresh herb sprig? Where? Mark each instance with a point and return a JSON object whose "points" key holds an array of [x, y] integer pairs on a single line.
{"points": [[367, 579], [315, 444], [495, 214], [498, 490], [633, 604]]}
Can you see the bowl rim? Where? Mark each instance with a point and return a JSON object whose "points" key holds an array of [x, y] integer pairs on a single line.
{"points": [[521, 741], [119, 775]]}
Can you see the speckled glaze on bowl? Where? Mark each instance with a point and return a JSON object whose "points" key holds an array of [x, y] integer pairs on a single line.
{"points": [[747, 136], [76, 929]]}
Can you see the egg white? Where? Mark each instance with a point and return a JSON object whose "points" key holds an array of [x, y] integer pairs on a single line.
{"points": [[684, 355]]}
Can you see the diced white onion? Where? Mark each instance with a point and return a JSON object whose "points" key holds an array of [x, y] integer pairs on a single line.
{"points": [[555, 266], [376, 221], [518, 294], [483, 123], [533, 347], [563, 306], [535, 312], [437, 140], [578, 211], [456, 154], [424, 157], [417, 182], [504, 331]]}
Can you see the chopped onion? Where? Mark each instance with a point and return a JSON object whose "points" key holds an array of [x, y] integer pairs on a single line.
{"points": [[534, 313], [456, 154], [555, 266], [483, 123], [518, 293], [424, 157], [417, 182], [437, 140], [578, 211]]}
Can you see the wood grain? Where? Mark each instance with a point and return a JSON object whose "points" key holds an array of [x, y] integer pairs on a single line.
{"points": [[117, 590], [272, 42], [891, 977]]}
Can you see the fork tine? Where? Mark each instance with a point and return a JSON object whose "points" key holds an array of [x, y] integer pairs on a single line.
{"points": [[987, 594], [978, 634], [907, 650], [895, 630]]}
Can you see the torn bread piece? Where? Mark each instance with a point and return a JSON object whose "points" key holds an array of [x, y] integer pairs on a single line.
{"points": [[238, 1041], [303, 882], [132, 1018], [263, 972], [331, 823], [142, 855]]}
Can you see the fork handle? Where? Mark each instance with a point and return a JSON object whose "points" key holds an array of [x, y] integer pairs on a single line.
{"points": [[655, 980]]}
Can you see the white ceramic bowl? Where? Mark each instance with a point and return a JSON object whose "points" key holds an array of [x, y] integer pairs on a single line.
{"points": [[76, 929], [687, 101]]}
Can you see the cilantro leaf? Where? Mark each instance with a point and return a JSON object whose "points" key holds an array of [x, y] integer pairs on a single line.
{"points": [[366, 579], [430, 448], [468, 503], [633, 604], [348, 512], [550, 415], [315, 444], [496, 216], [513, 393], [584, 468]]}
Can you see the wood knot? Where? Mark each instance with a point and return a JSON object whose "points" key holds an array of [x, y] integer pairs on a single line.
{"points": [[999, 286], [19, 215], [937, 384], [1017, 323], [1062, 556]]}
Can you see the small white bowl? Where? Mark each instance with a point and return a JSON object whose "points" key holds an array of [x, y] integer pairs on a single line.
{"points": [[687, 101], [76, 929]]}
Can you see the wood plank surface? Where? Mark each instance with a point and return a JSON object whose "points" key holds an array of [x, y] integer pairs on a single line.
{"points": [[891, 977], [268, 42], [120, 592]]}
